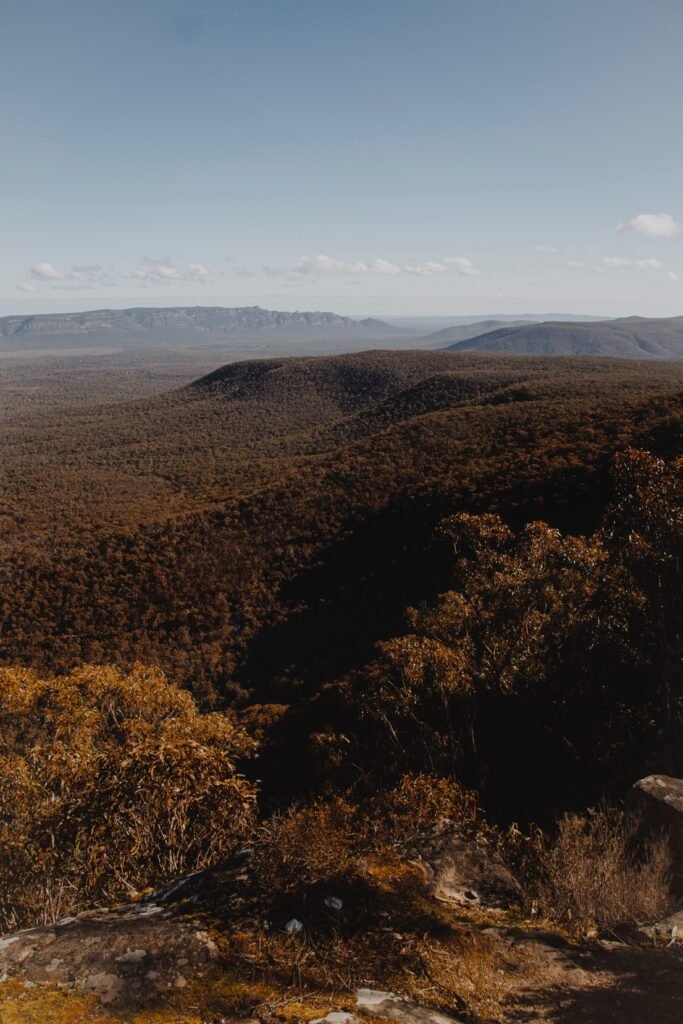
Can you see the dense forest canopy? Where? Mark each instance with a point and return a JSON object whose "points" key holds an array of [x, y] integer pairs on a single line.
{"points": [[256, 533]]}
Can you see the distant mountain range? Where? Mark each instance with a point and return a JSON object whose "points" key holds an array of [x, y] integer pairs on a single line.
{"points": [[246, 328], [181, 325], [628, 338], [424, 324], [462, 332]]}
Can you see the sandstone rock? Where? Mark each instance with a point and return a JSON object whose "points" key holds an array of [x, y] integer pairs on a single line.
{"points": [[670, 929], [127, 957], [389, 1006], [337, 1017], [466, 872], [659, 801]]}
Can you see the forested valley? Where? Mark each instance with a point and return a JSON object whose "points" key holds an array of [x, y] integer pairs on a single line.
{"points": [[317, 606]]}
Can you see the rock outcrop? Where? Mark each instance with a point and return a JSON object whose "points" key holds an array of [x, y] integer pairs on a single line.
{"points": [[658, 799], [127, 957], [466, 872], [388, 1006]]}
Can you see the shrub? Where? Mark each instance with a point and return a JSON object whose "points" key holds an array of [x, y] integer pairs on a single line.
{"points": [[110, 783], [591, 876], [306, 845], [311, 844], [412, 808]]}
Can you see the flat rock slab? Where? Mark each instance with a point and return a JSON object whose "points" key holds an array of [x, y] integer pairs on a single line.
{"points": [[127, 957], [337, 1017], [389, 1006]]}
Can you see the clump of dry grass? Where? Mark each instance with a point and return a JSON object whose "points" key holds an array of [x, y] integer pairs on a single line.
{"points": [[592, 876], [308, 845]]}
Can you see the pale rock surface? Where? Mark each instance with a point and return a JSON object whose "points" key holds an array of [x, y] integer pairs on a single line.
{"points": [[392, 1007], [658, 799], [464, 871], [127, 957]]}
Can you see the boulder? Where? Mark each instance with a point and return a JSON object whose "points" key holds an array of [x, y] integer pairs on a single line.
{"points": [[466, 872], [669, 930], [658, 799]]}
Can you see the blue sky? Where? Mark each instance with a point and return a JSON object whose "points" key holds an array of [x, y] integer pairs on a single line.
{"points": [[369, 156]]}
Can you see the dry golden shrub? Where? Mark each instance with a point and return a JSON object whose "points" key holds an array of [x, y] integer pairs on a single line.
{"points": [[310, 844], [417, 804], [592, 877], [307, 845], [110, 782]]}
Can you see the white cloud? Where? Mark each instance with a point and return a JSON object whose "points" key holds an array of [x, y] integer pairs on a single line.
{"points": [[84, 276], [576, 263], [322, 264], [24, 286], [544, 248], [48, 272], [671, 276], [621, 261], [427, 269], [650, 264], [463, 265], [654, 225], [616, 261], [384, 267], [164, 272]]}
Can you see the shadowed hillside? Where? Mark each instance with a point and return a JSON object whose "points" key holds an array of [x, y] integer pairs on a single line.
{"points": [[462, 332], [629, 338]]}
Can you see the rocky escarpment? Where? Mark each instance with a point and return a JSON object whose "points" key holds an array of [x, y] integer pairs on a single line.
{"points": [[437, 939], [199, 324]]}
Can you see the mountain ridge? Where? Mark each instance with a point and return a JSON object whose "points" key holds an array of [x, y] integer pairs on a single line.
{"points": [[625, 338], [149, 324], [462, 332]]}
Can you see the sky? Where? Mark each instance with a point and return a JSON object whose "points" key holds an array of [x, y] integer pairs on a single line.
{"points": [[366, 156]]}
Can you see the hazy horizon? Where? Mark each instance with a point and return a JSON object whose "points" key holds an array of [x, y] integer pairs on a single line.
{"points": [[332, 304]]}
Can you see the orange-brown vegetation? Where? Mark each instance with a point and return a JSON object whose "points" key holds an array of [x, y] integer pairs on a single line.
{"points": [[259, 531], [109, 783], [258, 537], [593, 877]]}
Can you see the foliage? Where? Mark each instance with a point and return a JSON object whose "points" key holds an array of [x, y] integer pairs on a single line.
{"points": [[261, 534], [590, 875], [109, 783], [306, 845], [550, 649], [313, 843]]}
